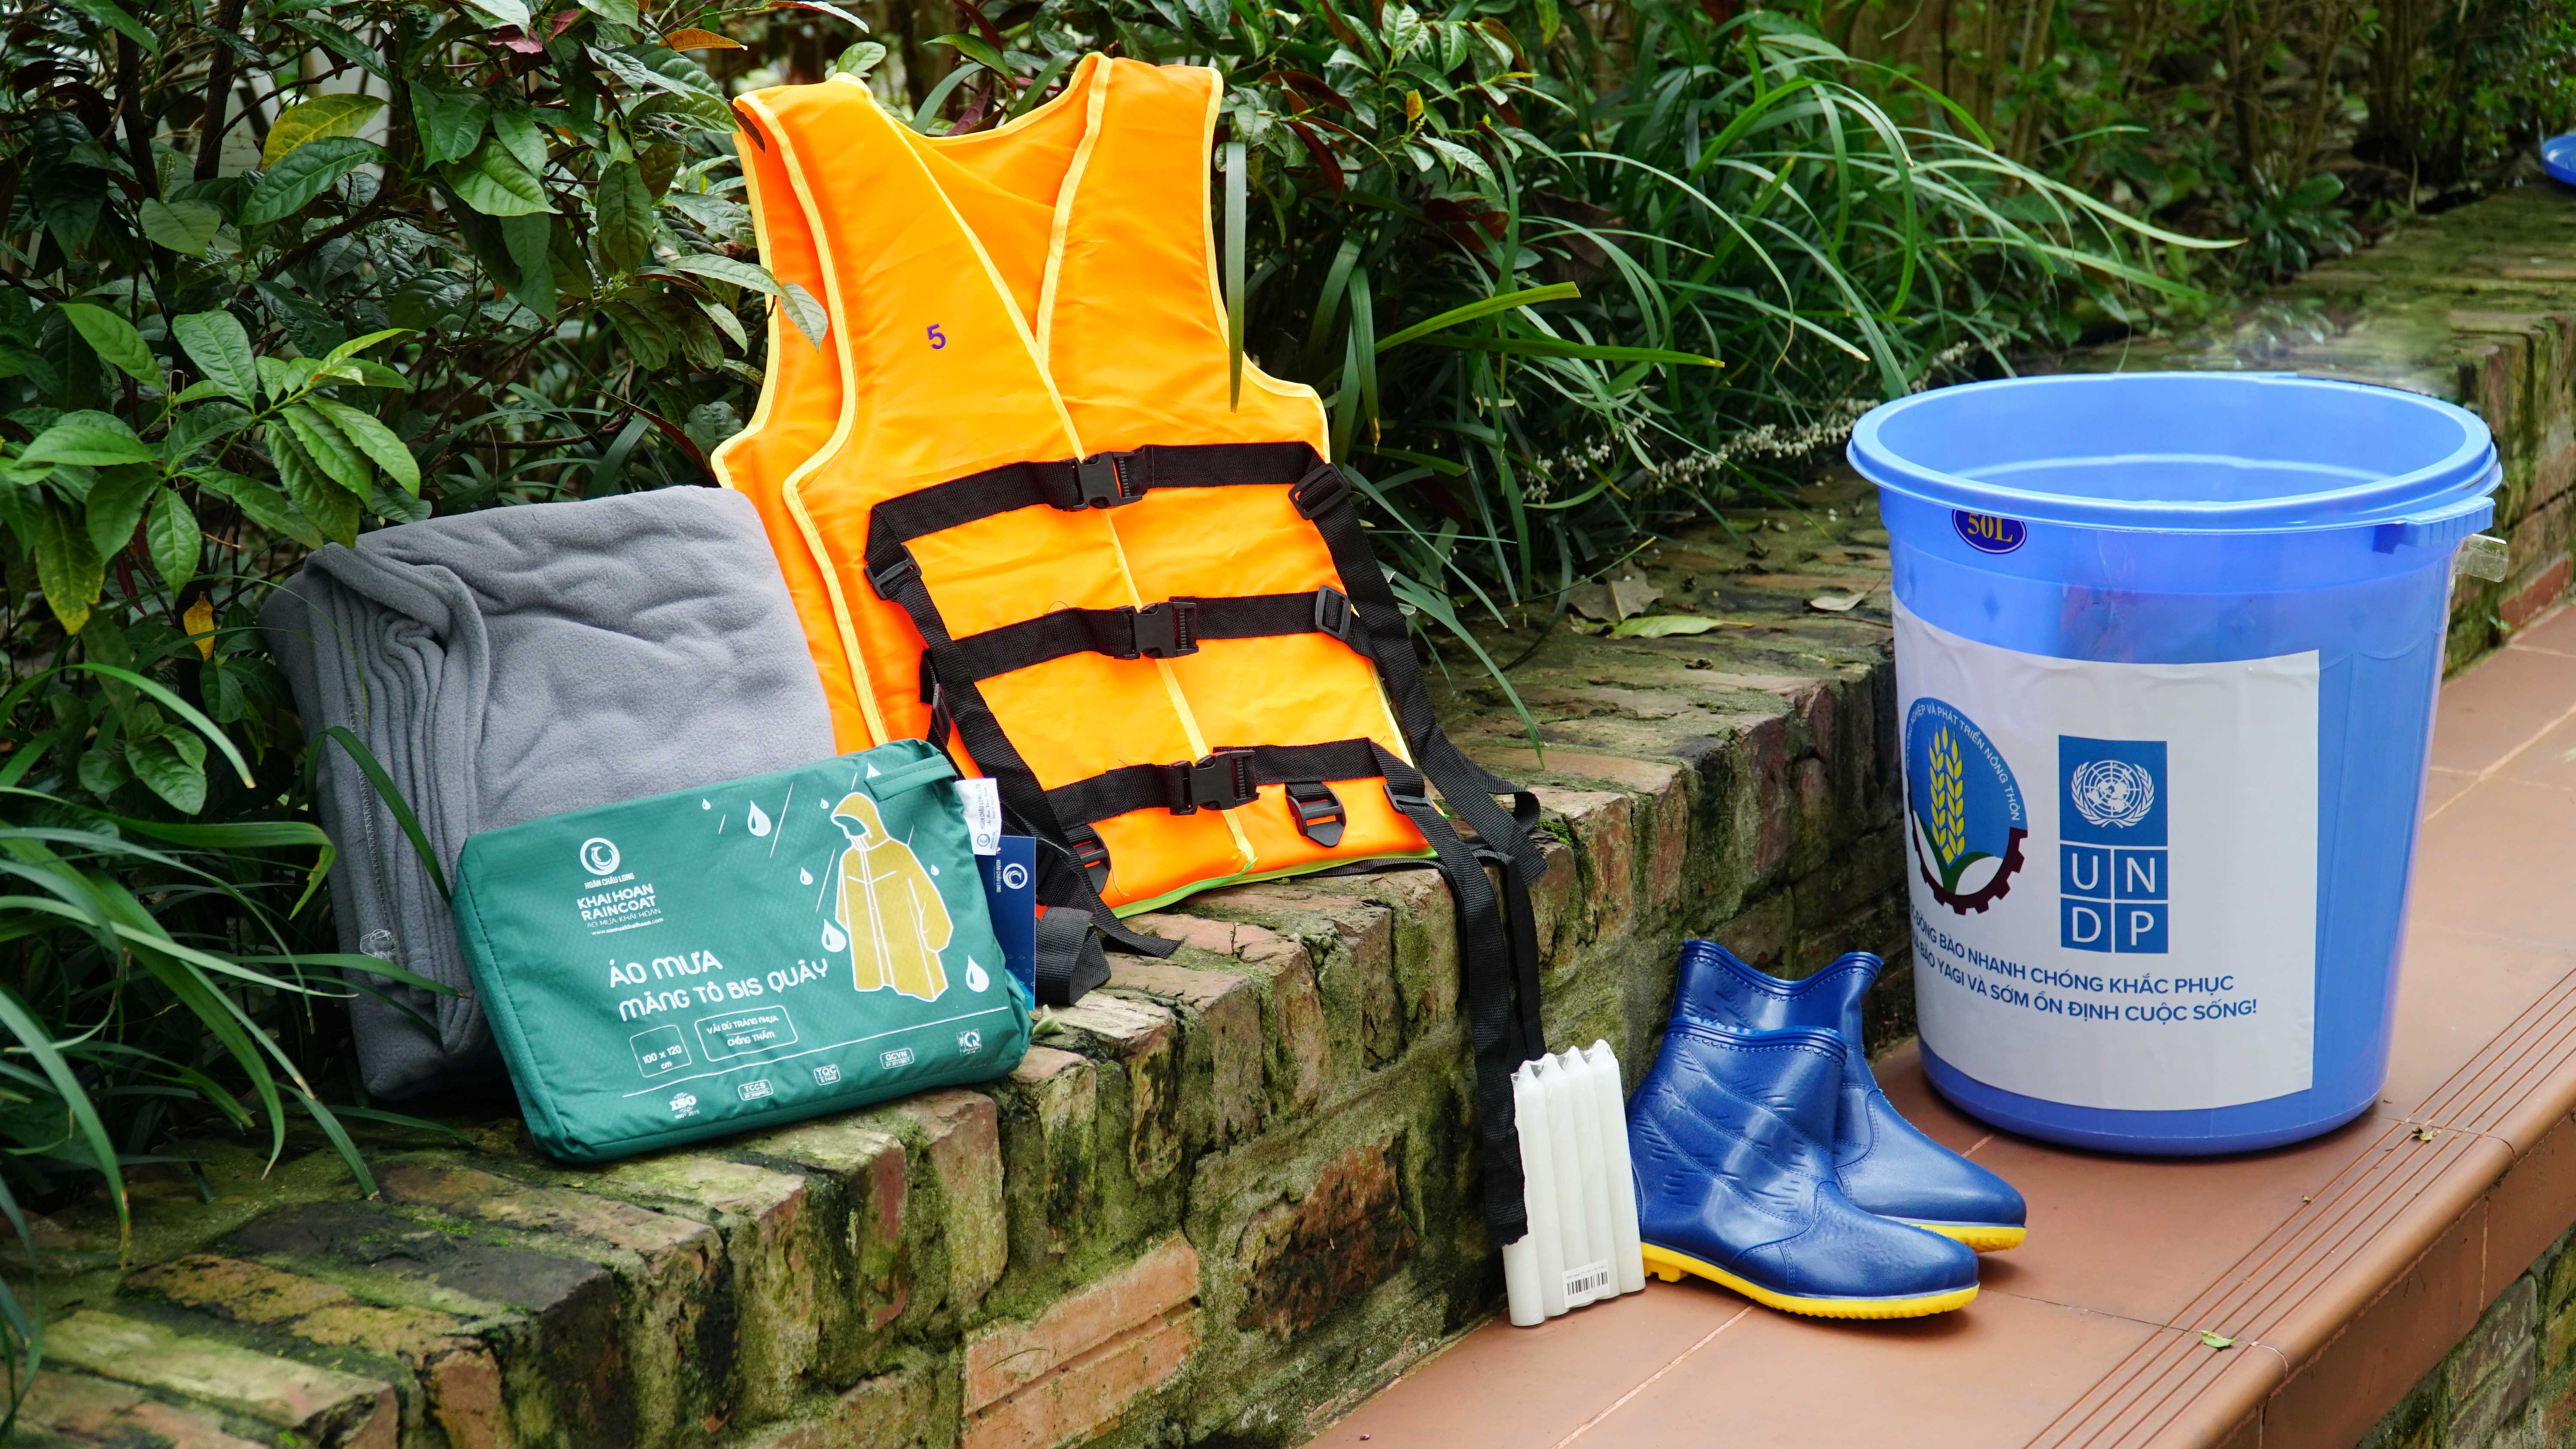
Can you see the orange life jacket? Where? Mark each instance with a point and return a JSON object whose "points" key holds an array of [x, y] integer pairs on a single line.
{"points": [[1012, 497]]}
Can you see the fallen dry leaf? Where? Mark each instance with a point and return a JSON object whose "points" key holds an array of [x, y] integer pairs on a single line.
{"points": [[1592, 601], [1657, 626], [1633, 596]]}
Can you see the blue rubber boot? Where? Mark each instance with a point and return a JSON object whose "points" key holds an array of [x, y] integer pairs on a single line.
{"points": [[1884, 1162], [1730, 1139]]}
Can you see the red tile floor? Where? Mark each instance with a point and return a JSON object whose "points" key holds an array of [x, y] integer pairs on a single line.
{"points": [[2343, 1268]]}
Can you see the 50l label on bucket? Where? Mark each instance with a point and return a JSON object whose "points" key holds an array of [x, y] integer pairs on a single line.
{"points": [[1988, 533], [2113, 870]]}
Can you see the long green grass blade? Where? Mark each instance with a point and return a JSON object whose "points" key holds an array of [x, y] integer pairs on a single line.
{"points": [[928, 111], [158, 941], [350, 1156], [392, 797], [38, 1043], [1560, 347], [1554, 292], [1364, 350], [351, 961], [222, 1021]]}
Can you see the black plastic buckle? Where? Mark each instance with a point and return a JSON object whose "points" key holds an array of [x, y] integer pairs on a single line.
{"points": [[1319, 812], [1167, 630], [1222, 781], [1410, 805], [1101, 480], [889, 581], [1335, 616], [1319, 492], [1091, 854]]}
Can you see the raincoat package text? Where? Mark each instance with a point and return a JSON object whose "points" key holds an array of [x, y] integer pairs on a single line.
{"points": [[693, 964]]}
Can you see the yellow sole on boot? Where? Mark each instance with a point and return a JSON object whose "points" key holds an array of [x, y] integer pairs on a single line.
{"points": [[1668, 1265], [1981, 1237]]}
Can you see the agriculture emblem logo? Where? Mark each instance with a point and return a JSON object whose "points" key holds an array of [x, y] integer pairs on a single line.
{"points": [[1966, 817]]}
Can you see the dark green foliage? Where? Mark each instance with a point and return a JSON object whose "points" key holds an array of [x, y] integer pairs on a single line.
{"points": [[2300, 125]]}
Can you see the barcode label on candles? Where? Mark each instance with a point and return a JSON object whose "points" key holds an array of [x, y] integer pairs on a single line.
{"points": [[1590, 1278]]}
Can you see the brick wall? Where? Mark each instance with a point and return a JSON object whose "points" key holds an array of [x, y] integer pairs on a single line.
{"points": [[2511, 1384], [1218, 1202]]}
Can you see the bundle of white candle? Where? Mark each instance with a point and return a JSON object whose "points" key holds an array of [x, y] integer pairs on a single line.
{"points": [[1581, 1246]]}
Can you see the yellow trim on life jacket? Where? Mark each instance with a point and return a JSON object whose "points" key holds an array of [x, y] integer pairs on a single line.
{"points": [[1096, 102], [836, 331]]}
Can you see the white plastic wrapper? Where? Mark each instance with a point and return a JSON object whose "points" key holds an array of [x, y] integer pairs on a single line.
{"points": [[1581, 1247]]}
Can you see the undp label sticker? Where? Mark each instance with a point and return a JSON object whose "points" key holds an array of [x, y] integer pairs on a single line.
{"points": [[2112, 860], [2113, 871]]}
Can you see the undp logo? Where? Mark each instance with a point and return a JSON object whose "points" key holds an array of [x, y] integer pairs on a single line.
{"points": [[2112, 861], [599, 855], [1966, 812], [2111, 792]]}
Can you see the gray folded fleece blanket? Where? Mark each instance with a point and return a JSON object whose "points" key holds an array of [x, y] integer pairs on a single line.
{"points": [[516, 663]]}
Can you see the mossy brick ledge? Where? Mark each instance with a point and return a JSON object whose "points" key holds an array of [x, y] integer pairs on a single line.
{"points": [[1220, 1199], [2475, 306], [1228, 1196]]}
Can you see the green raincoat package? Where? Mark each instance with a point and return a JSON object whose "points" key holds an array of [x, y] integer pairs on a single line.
{"points": [[740, 955]]}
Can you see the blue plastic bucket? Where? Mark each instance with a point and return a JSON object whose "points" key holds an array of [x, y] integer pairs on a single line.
{"points": [[2558, 158], [2167, 649]]}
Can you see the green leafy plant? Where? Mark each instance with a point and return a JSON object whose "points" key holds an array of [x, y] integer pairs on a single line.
{"points": [[2291, 230], [89, 484], [273, 273]]}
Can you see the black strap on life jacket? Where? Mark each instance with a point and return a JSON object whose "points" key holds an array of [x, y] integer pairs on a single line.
{"points": [[1498, 948], [1228, 778], [1166, 630], [1069, 963], [961, 705]]}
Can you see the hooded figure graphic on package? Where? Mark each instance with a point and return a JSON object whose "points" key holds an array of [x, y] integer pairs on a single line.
{"points": [[896, 922]]}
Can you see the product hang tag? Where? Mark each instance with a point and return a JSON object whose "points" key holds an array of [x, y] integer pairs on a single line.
{"points": [[1010, 891], [982, 800]]}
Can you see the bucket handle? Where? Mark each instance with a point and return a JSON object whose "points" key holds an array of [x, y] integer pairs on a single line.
{"points": [[2437, 527]]}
